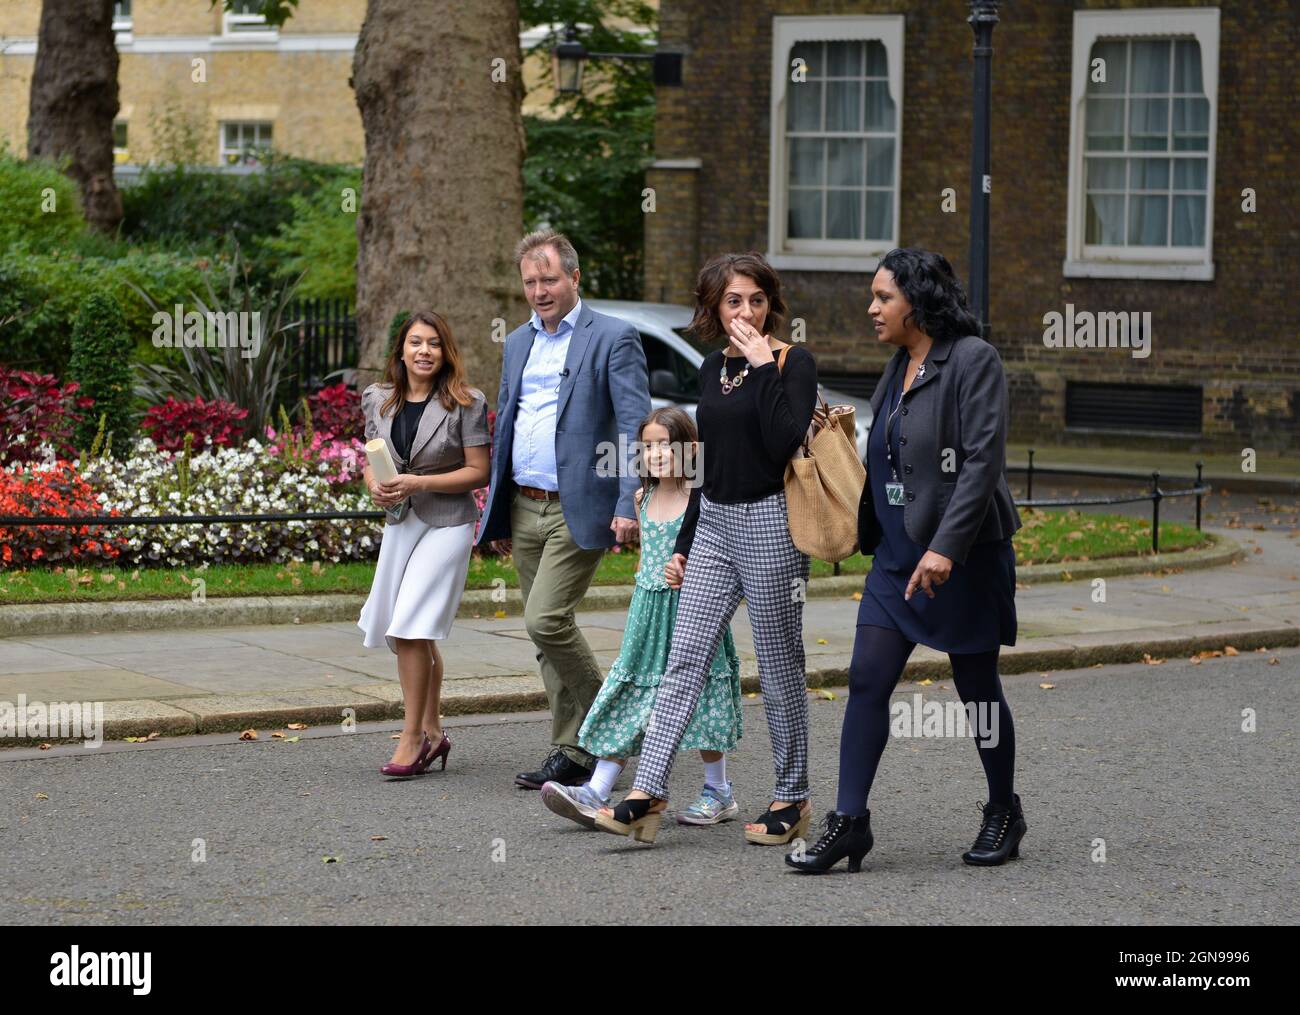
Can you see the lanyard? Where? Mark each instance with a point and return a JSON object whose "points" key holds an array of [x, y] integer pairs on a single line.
{"points": [[889, 422]]}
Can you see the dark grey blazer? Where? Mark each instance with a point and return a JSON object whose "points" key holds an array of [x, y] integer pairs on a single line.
{"points": [[438, 446], [954, 499]]}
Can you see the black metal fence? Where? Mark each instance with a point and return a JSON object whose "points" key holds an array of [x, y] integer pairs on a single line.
{"points": [[324, 342], [1155, 495]]}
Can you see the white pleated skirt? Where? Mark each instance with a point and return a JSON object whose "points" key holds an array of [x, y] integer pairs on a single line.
{"points": [[418, 582]]}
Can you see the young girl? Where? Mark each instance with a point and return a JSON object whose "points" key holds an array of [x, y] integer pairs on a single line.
{"points": [[616, 723]]}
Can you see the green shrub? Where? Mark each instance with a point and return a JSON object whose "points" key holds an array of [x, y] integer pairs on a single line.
{"points": [[208, 210], [320, 241], [101, 364], [41, 295], [39, 206]]}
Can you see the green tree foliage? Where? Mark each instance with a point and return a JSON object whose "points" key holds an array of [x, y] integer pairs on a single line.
{"points": [[320, 241], [585, 167]]}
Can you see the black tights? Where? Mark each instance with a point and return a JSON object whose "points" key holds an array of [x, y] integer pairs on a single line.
{"points": [[879, 655]]}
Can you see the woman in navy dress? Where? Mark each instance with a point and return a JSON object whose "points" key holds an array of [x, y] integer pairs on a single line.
{"points": [[938, 515]]}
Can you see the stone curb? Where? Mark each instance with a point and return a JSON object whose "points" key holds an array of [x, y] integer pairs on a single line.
{"points": [[31, 620], [380, 702]]}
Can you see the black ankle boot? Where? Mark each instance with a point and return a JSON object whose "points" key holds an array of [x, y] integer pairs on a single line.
{"points": [[845, 835], [999, 837]]}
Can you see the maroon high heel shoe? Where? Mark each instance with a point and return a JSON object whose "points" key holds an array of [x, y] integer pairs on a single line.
{"points": [[407, 771], [441, 751]]}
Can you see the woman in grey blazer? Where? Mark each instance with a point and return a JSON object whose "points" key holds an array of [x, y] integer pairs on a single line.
{"points": [[938, 518], [435, 426]]}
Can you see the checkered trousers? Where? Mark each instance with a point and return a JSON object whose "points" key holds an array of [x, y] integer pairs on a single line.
{"points": [[738, 550]]}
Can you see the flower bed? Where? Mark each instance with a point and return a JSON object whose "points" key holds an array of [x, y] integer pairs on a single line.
{"points": [[227, 480], [53, 489]]}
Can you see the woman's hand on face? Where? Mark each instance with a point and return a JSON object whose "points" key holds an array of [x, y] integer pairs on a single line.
{"points": [[675, 571], [751, 342], [932, 570]]}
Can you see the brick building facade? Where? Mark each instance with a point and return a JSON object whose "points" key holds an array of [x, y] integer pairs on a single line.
{"points": [[1129, 144]]}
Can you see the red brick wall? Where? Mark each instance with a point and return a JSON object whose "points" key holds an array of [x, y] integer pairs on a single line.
{"points": [[1237, 336]]}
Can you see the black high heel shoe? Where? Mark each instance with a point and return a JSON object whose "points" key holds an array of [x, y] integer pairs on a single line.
{"points": [[999, 837], [634, 818], [845, 835]]}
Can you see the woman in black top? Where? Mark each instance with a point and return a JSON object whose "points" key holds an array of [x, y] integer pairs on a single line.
{"points": [[735, 541]]}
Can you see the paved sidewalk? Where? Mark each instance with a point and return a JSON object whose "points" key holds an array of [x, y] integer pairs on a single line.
{"points": [[230, 678]]}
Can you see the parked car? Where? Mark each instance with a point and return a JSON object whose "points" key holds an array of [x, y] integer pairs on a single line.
{"points": [[674, 363]]}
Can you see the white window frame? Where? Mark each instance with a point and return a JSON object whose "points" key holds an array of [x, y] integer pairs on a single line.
{"points": [[828, 255], [123, 22], [1185, 263], [258, 30], [222, 151]]}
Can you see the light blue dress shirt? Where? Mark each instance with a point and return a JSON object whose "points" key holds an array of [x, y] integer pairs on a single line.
{"points": [[533, 448]]}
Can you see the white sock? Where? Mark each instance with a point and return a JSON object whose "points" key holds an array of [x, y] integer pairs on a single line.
{"points": [[603, 778], [715, 774]]}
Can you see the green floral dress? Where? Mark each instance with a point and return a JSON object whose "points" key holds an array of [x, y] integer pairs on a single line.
{"points": [[619, 715]]}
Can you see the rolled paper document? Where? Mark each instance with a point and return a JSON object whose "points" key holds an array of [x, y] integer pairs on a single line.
{"points": [[381, 461]]}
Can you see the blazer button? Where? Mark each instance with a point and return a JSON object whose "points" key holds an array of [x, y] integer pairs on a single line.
{"points": [[905, 410], [907, 469], [911, 495], [903, 439]]}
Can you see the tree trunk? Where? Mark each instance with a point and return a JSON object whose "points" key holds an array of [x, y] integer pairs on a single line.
{"points": [[74, 100], [442, 191]]}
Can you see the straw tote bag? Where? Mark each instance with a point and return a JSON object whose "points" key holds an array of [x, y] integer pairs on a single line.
{"points": [[823, 483]]}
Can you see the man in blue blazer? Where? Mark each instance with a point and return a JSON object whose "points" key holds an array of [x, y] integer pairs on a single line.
{"points": [[573, 386]]}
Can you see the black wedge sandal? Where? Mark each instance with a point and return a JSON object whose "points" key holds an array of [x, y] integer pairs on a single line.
{"points": [[781, 826], [634, 818]]}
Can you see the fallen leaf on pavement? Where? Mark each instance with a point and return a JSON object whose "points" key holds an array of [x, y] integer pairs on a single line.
{"points": [[857, 597], [924, 683], [42, 796], [296, 726], [1047, 687], [292, 740], [825, 694], [46, 747], [1272, 660], [822, 641], [329, 859], [1228, 650], [248, 735], [277, 736], [378, 838], [1147, 658]]}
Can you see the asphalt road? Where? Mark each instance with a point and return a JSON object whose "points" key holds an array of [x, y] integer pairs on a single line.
{"points": [[1198, 818]]}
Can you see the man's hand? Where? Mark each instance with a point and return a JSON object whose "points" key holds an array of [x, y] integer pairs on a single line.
{"points": [[675, 571], [501, 546], [931, 572], [624, 529]]}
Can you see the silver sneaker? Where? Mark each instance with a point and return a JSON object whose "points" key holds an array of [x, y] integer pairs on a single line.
{"points": [[577, 803], [711, 807]]}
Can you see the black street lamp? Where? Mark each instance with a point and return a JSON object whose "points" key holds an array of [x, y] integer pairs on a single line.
{"points": [[983, 18], [570, 55]]}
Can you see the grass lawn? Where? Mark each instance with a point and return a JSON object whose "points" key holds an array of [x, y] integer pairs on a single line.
{"points": [[1047, 537]]}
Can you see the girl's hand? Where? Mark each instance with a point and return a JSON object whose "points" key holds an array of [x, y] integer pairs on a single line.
{"points": [[675, 571], [750, 342], [400, 487]]}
